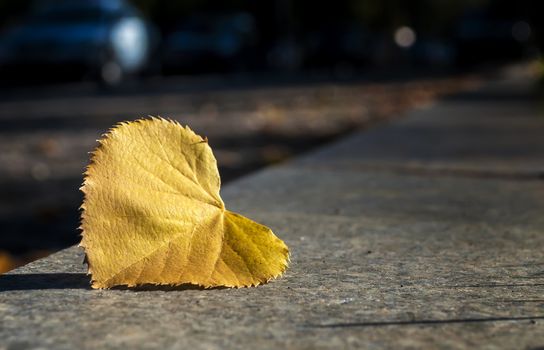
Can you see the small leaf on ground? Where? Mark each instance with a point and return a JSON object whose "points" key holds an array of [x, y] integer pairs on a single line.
{"points": [[152, 214]]}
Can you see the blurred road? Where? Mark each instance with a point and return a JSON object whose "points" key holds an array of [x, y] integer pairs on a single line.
{"points": [[46, 133]]}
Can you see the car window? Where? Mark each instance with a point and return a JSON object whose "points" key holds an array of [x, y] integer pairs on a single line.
{"points": [[70, 15]]}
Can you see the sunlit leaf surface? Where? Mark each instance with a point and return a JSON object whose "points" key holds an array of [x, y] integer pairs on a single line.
{"points": [[152, 214]]}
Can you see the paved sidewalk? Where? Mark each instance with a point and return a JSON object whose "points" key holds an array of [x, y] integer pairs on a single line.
{"points": [[425, 233]]}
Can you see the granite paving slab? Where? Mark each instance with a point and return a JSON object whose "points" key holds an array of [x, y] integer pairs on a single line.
{"points": [[393, 256], [494, 131], [383, 260]]}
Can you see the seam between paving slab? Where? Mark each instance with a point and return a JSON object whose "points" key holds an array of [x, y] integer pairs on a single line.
{"points": [[432, 169]]}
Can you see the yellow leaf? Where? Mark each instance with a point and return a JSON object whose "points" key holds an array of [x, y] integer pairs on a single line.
{"points": [[152, 214]]}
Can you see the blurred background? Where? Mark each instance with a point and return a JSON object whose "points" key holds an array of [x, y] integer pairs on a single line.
{"points": [[263, 80]]}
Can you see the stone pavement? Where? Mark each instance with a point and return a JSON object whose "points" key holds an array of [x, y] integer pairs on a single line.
{"points": [[425, 233], [46, 134]]}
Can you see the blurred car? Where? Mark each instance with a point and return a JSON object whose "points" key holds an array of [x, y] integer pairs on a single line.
{"points": [[338, 44], [285, 55], [481, 37], [210, 41], [107, 39], [433, 52]]}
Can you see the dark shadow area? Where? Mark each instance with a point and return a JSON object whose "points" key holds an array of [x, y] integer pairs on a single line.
{"points": [[37, 281], [165, 288], [496, 97], [44, 281], [211, 83], [43, 215]]}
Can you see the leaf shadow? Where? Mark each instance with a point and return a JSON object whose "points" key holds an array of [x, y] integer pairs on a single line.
{"points": [[165, 288], [46, 281], [43, 281]]}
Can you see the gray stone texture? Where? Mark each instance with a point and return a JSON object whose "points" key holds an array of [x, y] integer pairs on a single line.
{"points": [[425, 233], [497, 129]]}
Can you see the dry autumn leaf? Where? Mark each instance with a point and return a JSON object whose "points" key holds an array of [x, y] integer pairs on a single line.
{"points": [[152, 214]]}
